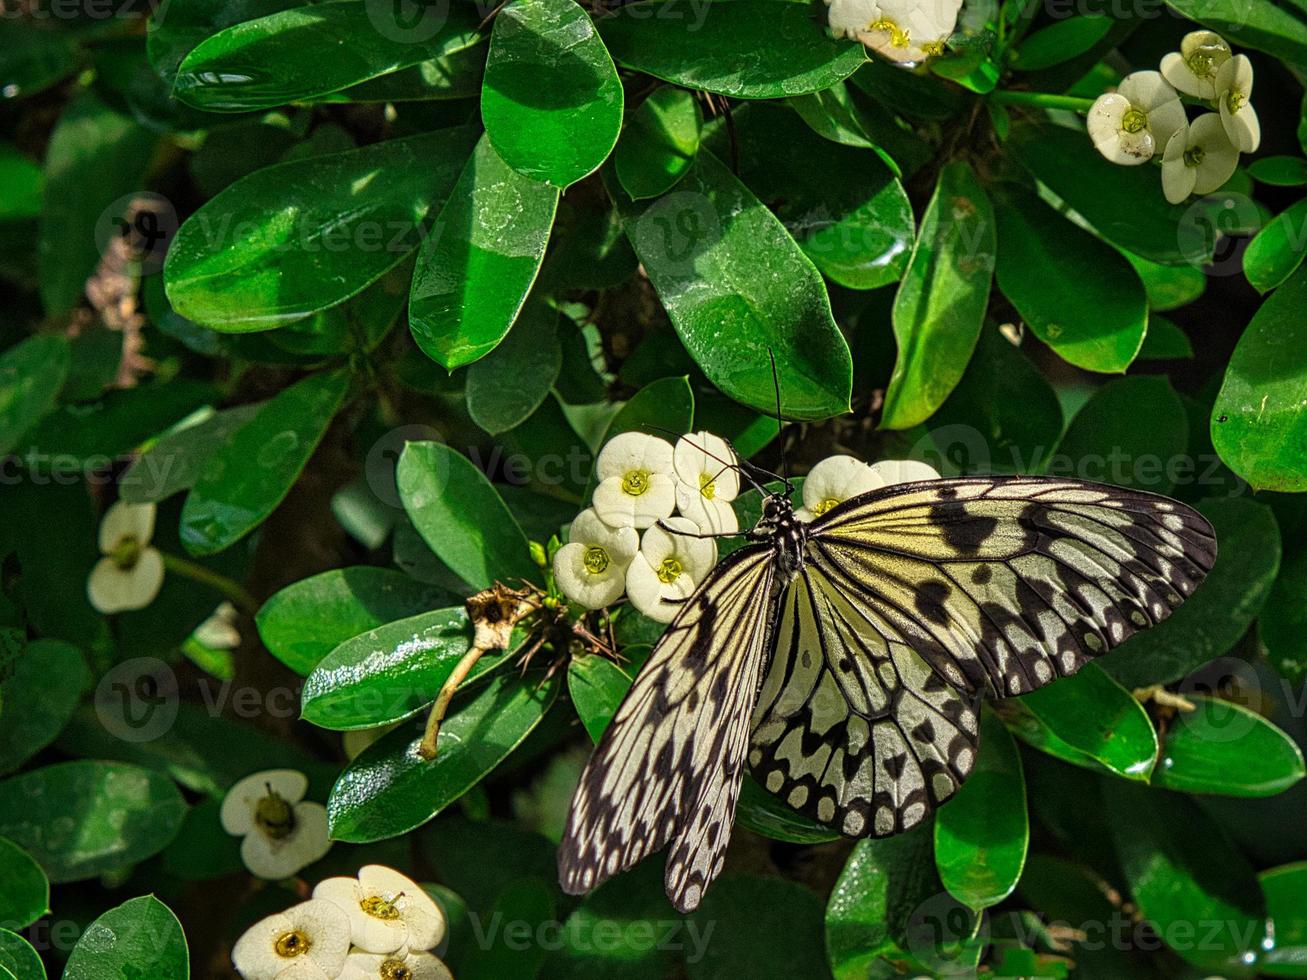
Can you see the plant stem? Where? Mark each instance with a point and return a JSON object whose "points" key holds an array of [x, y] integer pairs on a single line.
{"points": [[1042, 100], [196, 572], [427, 747]]}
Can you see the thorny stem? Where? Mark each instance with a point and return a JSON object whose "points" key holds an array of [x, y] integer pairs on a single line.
{"points": [[230, 588], [1042, 100]]}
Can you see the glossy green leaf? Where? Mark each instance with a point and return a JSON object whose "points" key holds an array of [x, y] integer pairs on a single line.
{"points": [[1060, 41], [1168, 286], [96, 157], [83, 819], [597, 686], [506, 386], [736, 286], [1121, 203], [1213, 619], [244, 481], [1106, 444], [1278, 30], [139, 938], [31, 374], [391, 672], [1259, 421], [175, 462], [747, 915], [455, 76], [461, 516], [479, 260], [1089, 720], [1285, 889], [18, 959], [24, 890], [982, 833], [1222, 747], [1165, 341], [37, 698], [659, 143], [309, 51], [390, 789], [1187, 878], [1279, 171], [940, 305], [770, 816], [1283, 622], [1278, 249], [305, 235], [832, 114], [21, 184], [551, 100], [730, 47], [1086, 302], [305, 621]]}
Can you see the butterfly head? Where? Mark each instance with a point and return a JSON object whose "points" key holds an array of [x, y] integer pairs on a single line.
{"points": [[784, 530]]}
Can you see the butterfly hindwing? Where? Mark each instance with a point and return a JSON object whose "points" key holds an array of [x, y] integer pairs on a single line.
{"points": [[668, 767]]}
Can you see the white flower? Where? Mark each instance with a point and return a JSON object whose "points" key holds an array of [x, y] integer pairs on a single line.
{"points": [[1234, 87], [839, 478], [386, 910], [848, 18], [706, 482], [282, 834], [909, 31], [591, 568], [1199, 160], [1135, 122], [131, 573], [306, 942], [635, 487], [219, 632], [403, 965], [1193, 68], [668, 568]]}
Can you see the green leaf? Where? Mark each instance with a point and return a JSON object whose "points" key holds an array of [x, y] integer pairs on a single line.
{"points": [[1184, 874], [1278, 249], [630, 909], [736, 286], [18, 959], [175, 462], [506, 386], [96, 158], [1121, 203], [1213, 619], [1279, 171], [730, 47], [461, 516], [32, 59], [1259, 421], [305, 621], [1168, 286], [391, 672], [1089, 720], [390, 789], [597, 686], [479, 260], [764, 928], [982, 833], [1164, 341], [308, 51], [1283, 622], [244, 481], [940, 305], [1275, 29], [1223, 747], [24, 890], [766, 814], [1285, 889], [140, 938], [38, 698], [1105, 442], [21, 185], [551, 100], [31, 374], [659, 143], [306, 235], [83, 819], [1060, 41], [1077, 294]]}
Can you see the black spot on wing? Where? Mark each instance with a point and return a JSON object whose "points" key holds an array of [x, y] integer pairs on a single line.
{"points": [[930, 600], [964, 532]]}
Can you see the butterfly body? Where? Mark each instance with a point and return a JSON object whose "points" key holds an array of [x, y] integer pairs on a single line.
{"points": [[844, 660]]}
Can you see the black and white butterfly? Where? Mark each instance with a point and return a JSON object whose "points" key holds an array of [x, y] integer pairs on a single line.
{"points": [[844, 660]]}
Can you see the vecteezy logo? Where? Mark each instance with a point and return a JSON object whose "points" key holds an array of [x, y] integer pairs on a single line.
{"points": [[383, 457], [138, 227], [136, 700], [1208, 232], [675, 231], [407, 21]]}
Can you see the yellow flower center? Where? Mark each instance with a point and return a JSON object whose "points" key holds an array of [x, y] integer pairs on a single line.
{"points": [[1193, 156], [669, 571], [933, 49], [1134, 120], [707, 486], [380, 908], [898, 37], [825, 505], [1202, 63], [393, 969], [596, 559], [1234, 101], [635, 483], [291, 944], [274, 816], [126, 553]]}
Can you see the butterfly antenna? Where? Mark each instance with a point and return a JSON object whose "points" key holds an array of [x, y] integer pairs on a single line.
{"points": [[726, 463], [780, 426]]}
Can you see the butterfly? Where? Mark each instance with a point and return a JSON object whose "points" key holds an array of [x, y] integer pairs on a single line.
{"points": [[844, 659]]}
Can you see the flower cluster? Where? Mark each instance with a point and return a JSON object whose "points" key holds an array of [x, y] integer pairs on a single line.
{"points": [[1145, 118], [378, 926], [906, 31], [838, 478], [629, 542]]}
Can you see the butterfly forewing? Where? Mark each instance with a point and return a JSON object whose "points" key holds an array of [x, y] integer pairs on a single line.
{"points": [[668, 767]]}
